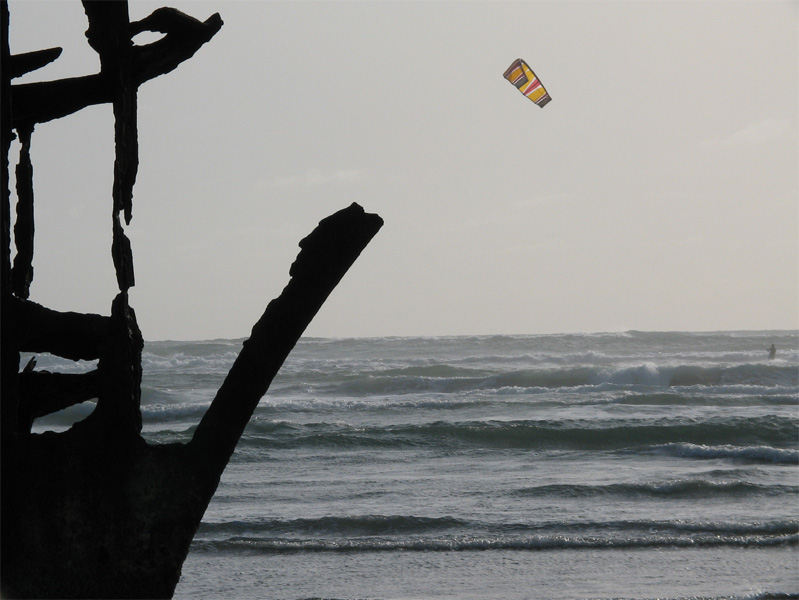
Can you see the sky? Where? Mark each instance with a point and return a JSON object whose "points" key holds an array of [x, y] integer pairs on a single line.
{"points": [[658, 190]]}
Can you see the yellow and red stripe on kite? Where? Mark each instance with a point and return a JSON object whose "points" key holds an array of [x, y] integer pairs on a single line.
{"points": [[521, 75]]}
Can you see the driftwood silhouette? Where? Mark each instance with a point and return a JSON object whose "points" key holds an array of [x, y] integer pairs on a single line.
{"points": [[96, 511]]}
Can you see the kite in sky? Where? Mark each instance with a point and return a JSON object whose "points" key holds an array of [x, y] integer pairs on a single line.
{"points": [[521, 75]]}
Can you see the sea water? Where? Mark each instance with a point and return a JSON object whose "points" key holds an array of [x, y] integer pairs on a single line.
{"points": [[624, 465]]}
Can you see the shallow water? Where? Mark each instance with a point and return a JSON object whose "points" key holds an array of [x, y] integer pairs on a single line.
{"points": [[634, 465]]}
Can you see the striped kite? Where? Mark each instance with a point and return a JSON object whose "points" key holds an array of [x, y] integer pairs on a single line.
{"points": [[521, 75]]}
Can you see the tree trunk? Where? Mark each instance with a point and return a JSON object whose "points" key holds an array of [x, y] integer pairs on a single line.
{"points": [[96, 512]]}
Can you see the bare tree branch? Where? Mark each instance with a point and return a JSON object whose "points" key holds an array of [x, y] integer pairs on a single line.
{"points": [[44, 101], [42, 393], [71, 335], [22, 271], [326, 255], [20, 64]]}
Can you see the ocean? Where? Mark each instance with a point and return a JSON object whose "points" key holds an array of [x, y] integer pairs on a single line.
{"points": [[610, 465]]}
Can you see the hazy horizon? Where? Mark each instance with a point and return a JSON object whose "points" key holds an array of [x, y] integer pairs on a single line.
{"points": [[658, 191], [743, 332]]}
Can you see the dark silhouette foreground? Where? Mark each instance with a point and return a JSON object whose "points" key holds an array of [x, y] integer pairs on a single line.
{"points": [[96, 511]]}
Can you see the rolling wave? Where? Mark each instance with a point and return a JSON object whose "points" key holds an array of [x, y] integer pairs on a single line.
{"points": [[444, 378], [369, 533], [775, 432], [674, 489], [762, 454], [467, 543]]}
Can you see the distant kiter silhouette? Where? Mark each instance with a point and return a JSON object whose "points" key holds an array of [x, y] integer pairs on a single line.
{"points": [[772, 352]]}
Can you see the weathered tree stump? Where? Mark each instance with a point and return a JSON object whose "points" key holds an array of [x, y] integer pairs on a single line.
{"points": [[96, 511]]}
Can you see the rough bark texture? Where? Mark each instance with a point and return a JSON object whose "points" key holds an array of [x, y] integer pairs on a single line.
{"points": [[96, 512]]}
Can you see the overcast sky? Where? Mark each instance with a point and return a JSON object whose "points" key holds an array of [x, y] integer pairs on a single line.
{"points": [[659, 190]]}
